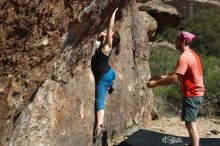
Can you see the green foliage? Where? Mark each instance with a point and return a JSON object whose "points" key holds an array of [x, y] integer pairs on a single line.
{"points": [[163, 61], [211, 76], [206, 27], [168, 34]]}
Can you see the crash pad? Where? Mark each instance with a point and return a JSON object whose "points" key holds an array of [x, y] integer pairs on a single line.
{"points": [[150, 138]]}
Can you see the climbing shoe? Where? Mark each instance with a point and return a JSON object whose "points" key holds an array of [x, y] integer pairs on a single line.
{"points": [[99, 131]]}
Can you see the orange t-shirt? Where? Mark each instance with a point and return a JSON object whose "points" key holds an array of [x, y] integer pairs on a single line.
{"points": [[189, 66]]}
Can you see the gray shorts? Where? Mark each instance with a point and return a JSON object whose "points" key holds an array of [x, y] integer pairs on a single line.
{"points": [[190, 108]]}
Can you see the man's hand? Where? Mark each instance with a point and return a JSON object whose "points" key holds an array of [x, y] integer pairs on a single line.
{"points": [[152, 84], [163, 80]]}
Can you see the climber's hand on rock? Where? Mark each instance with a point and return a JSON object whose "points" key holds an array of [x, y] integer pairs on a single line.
{"points": [[102, 34]]}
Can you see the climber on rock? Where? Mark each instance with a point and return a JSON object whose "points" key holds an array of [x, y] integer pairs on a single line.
{"points": [[189, 73], [104, 74]]}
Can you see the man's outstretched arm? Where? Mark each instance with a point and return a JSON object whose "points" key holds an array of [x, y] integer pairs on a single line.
{"points": [[165, 80]]}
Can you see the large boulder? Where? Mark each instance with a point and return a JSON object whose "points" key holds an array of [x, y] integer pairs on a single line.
{"points": [[166, 15], [47, 86], [150, 23], [187, 8], [143, 1], [163, 45]]}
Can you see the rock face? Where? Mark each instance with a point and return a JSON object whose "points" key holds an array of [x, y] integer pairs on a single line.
{"points": [[164, 45], [151, 24], [47, 87], [142, 1]]}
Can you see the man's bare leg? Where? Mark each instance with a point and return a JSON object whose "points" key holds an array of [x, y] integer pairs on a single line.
{"points": [[193, 133]]}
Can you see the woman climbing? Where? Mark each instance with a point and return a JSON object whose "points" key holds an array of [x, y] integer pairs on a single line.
{"points": [[103, 73]]}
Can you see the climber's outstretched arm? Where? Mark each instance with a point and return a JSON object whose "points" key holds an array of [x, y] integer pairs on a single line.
{"points": [[108, 45]]}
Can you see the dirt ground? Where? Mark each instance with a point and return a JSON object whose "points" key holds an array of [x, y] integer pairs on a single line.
{"points": [[207, 127]]}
